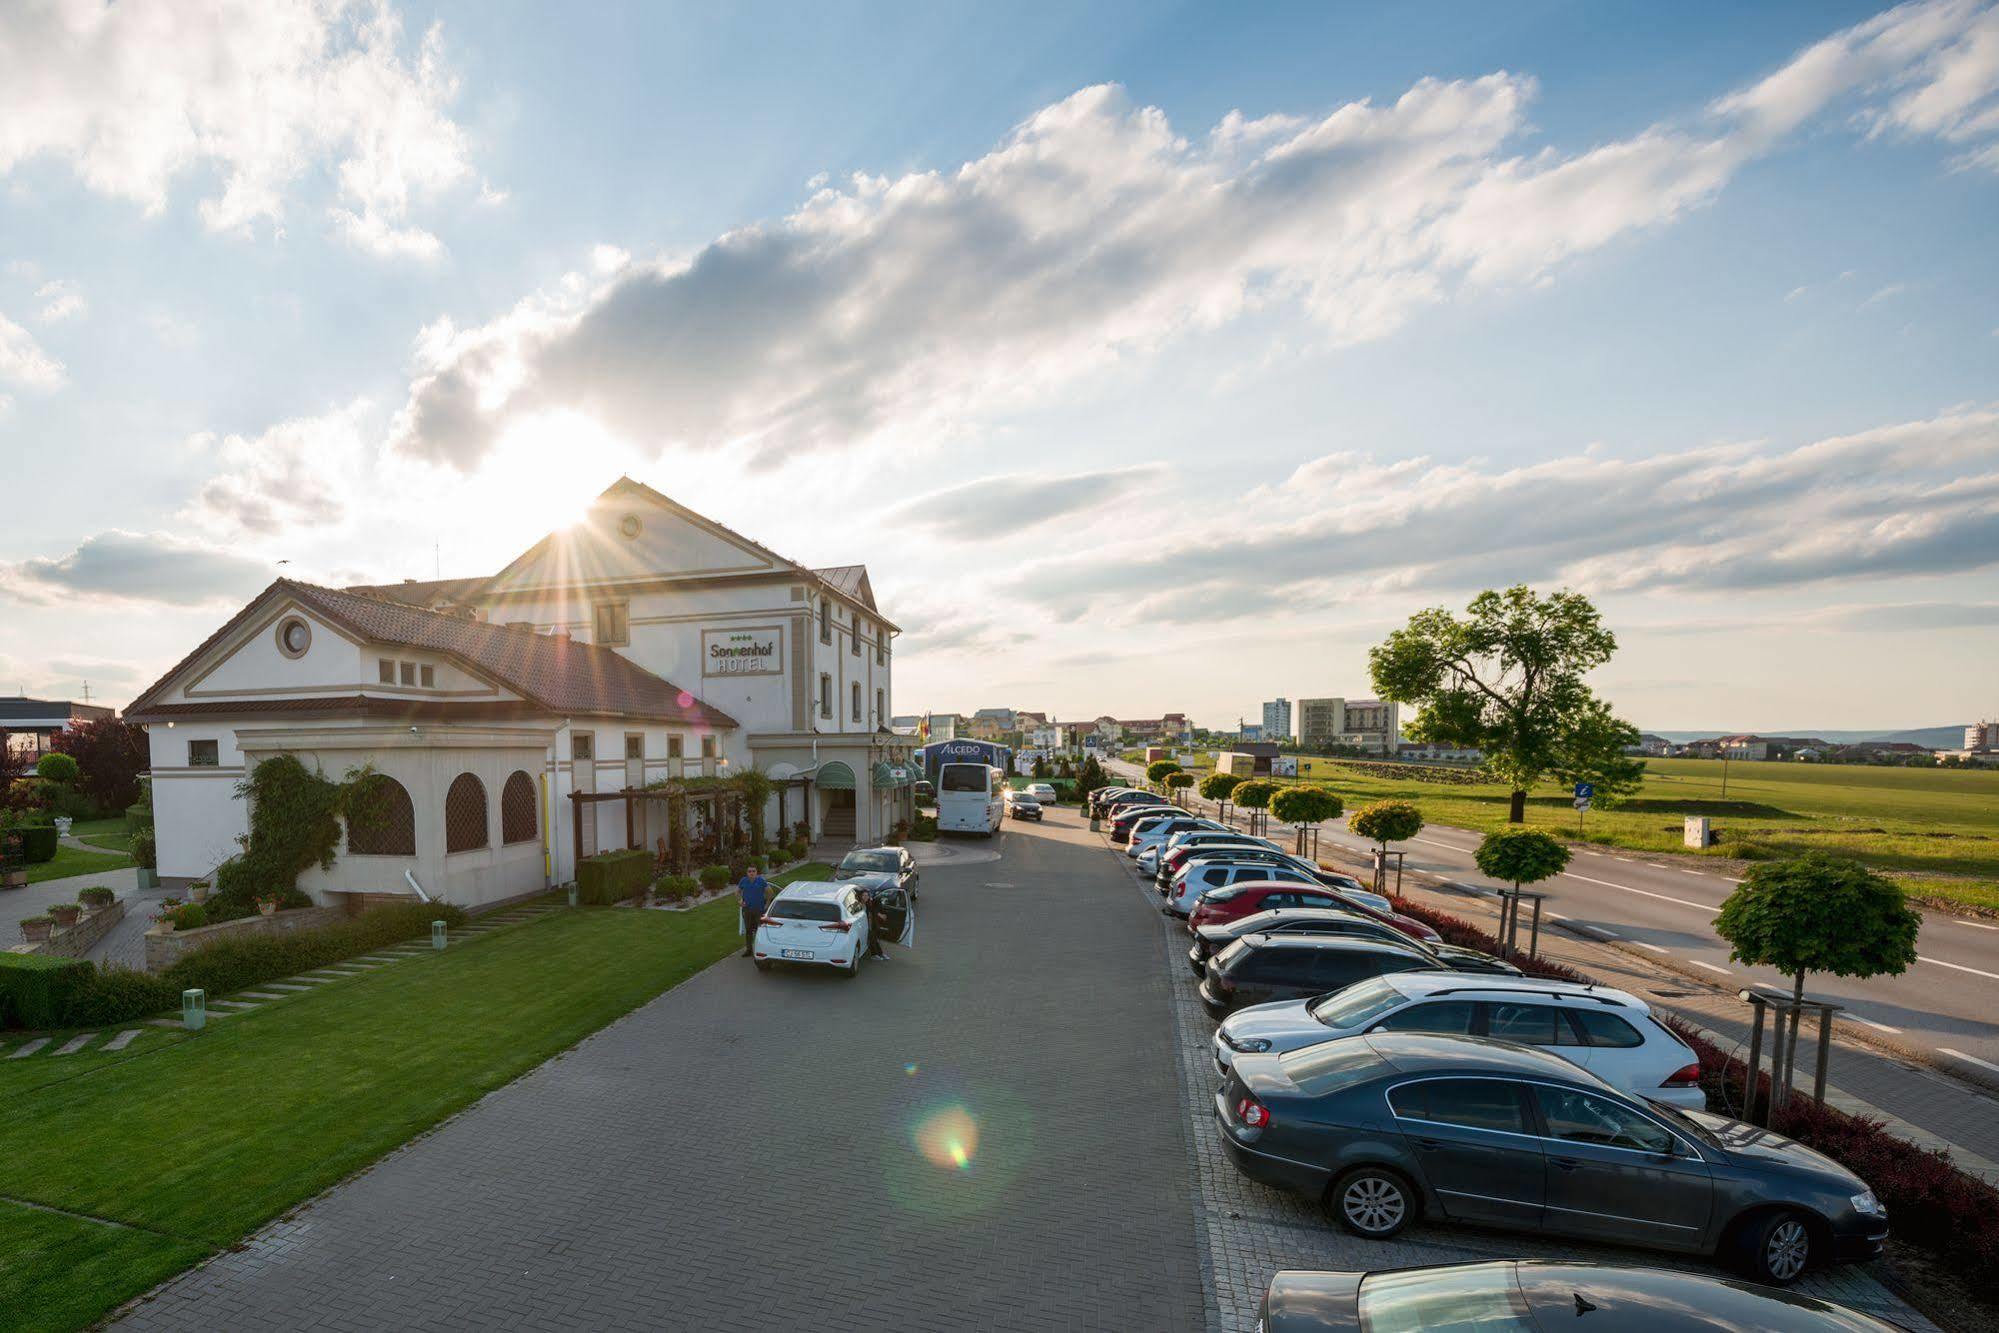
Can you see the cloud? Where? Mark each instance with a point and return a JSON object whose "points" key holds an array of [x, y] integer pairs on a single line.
{"points": [[119, 566], [1915, 498], [1907, 616], [996, 507], [23, 362], [61, 300], [290, 477], [259, 94], [893, 308], [1887, 293]]}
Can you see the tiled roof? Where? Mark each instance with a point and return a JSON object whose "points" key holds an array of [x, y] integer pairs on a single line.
{"points": [[554, 671], [424, 592]]}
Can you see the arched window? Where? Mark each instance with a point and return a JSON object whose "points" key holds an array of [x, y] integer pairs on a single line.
{"points": [[465, 814], [517, 809], [382, 821]]}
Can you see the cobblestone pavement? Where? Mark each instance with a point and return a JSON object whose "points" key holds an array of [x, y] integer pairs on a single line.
{"points": [[987, 1132], [1252, 1231]]}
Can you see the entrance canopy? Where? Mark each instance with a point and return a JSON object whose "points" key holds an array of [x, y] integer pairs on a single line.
{"points": [[834, 776]]}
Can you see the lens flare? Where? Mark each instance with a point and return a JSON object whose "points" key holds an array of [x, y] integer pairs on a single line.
{"points": [[910, 1069], [949, 1138]]}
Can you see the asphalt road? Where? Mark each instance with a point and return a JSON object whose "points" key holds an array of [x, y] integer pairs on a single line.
{"points": [[1945, 1005]]}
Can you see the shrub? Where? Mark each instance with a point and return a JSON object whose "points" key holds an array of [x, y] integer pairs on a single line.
{"points": [[232, 964], [1219, 786], [714, 877], [139, 816], [145, 852], [37, 990], [1387, 821], [679, 888], [29, 794], [188, 916], [1179, 781], [98, 896], [1255, 793], [59, 769], [119, 995], [611, 877], [1305, 805], [38, 843], [1157, 770], [1521, 856]]}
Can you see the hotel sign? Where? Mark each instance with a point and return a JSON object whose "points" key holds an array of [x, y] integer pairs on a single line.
{"points": [[743, 652]]}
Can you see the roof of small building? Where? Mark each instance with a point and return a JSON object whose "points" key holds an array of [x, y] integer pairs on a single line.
{"points": [[424, 592], [551, 670], [20, 708]]}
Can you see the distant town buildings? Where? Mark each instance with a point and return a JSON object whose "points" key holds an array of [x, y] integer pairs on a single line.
{"points": [[1982, 738], [1277, 720], [1363, 724], [30, 725]]}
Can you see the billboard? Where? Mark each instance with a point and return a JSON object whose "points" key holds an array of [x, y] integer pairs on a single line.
{"points": [[757, 651]]}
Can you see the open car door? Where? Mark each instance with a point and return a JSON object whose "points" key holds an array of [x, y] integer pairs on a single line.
{"points": [[898, 915]]}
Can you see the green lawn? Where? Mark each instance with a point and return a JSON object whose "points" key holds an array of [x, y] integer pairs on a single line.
{"points": [[110, 834], [1934, 830], [70, 861], [197, 1139]]}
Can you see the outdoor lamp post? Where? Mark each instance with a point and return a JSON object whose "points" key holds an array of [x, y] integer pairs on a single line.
{"points": [[194, 1009]]}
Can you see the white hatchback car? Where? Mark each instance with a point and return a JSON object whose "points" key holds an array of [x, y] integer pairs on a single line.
{"points": [[823, 923], [1151, 834], [1611, 1033]]}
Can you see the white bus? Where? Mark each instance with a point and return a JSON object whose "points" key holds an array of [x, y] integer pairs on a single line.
{"points": [[969, 798]]}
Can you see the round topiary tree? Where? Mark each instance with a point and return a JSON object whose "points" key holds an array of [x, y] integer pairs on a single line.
{"points": [[1157, 770], [1521, 856], [59, 769], [1219, 786], [1382, 823], [1307, 808], [1255, 793], [1819, 913], [1178, 782]]}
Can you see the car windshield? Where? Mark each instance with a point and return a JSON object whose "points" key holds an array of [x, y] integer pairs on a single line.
{"points": [[805, 909], [1477, 1298], [1357, 1006], [870, 860]]}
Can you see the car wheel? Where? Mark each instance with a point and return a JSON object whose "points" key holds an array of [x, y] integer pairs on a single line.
{"points": [[1373, 1201], [853, 967], [1775, 1250]]}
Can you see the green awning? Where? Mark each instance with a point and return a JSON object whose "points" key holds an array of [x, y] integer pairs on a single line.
{"points": [[834, 776]]}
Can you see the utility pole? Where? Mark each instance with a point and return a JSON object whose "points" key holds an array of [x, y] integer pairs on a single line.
{"points": [[1724, 772]]}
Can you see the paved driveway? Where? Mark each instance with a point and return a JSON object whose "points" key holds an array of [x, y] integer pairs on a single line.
{"points": [[763, 1151]]}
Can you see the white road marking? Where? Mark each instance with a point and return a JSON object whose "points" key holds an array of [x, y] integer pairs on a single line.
{"points": [[1959, 967], [1711, 967], [1970, 1059], [1878, 1027], [1689, 870], [1556, 916], [1600, 932], [1975, 925], [1655, 948], [1703, 907]]}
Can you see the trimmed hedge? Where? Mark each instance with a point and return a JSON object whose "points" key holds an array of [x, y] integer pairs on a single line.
{"points": [[37, 990], [119, 995], [138, 817], [231, 965], [1931, 1203], [613, 877], [676, 887], [713, 877], [38, 843]]}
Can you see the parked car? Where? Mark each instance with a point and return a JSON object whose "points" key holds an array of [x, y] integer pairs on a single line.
{"points": [[1261, 969], [1277, 857], [1044, 793], [1211, 940], [1228, 903], [819, 923], [1154, 833], [1116, 801], [1020, 805], [869, 866], [1611, 1033], [1127, 816], [1184, 847], [1389, 1127], [924, 793], [1101, 798], [1541, 1295]]}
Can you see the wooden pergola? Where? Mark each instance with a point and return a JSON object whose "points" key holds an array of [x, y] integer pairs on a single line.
{"points": [[717, 799]]}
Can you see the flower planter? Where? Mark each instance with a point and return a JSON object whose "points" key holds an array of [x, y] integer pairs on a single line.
{"points": [[197, 892], [36, 929], [13, 879], [149, 878], [66, 914], [62, 826], [267, 909]]}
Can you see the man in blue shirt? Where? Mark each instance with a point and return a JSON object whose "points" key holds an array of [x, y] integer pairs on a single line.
{"points": [[751, 892]]}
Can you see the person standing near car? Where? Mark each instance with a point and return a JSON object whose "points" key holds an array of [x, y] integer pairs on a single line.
{"points": [[877, 920], [752, 891]]}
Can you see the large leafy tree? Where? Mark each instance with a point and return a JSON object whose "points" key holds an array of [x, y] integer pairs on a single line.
{"points": [[1819, 913], [112, 754], [1507, 678]]}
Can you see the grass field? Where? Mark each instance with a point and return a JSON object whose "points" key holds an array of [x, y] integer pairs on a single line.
{"points": [[187, 1142], [72, 861], [1935, 830]]}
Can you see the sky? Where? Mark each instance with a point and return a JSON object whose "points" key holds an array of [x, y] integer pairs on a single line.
{"points": [[1153, 358]]}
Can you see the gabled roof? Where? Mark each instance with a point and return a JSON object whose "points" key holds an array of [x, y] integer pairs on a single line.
{"points": [[849, 581], [430, 593], [553, 671]]}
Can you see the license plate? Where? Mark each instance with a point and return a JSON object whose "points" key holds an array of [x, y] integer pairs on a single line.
{"points": [[796, 953]]}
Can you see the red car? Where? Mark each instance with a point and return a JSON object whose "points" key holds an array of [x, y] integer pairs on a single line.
{"points": [[1221, 906], [1121, 826]]}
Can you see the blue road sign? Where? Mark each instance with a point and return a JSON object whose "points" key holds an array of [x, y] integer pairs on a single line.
{"points": [[1584, 791]]}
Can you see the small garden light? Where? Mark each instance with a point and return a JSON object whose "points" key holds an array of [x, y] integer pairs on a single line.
{"points": [[194, 1009], [437, 934]]}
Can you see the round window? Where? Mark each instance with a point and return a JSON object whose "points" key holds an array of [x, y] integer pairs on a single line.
{"points": [[294, 637], [629, 525]]}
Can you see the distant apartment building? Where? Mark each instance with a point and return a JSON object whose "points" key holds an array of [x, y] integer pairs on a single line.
{"points": [[1249, 731], [906, 724], [1277, 720], [1979, 737], [1366, 724]]}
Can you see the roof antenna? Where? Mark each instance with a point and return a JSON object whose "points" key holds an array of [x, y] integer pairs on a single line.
{"points": [[436, 560]]}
